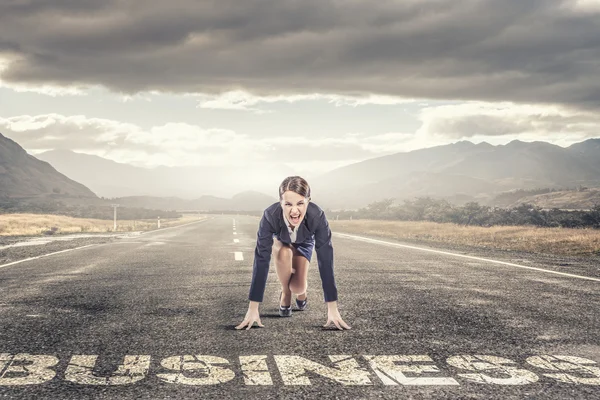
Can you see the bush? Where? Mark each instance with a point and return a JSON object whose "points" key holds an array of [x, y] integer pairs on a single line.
{"points": [[51, 231], [472, 213]]}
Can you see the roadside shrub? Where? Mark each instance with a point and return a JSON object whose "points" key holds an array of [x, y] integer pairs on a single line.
{"points": [[51, 231], [474, 214]]}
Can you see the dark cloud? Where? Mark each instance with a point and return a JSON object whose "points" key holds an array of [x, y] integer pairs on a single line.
{"points": [[470, 119], [524, 51]]}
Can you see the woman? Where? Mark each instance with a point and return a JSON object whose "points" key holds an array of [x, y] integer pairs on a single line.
{"points": [[289, 229]]}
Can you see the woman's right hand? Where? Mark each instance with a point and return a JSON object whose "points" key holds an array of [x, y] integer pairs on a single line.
{"points": [[251, 316]]}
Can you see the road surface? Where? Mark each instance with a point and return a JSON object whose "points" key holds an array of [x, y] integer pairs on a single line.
{"points": [[153, 316]]}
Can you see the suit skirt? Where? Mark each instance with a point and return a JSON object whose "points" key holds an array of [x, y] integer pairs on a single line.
{"points": [[305, 248]]}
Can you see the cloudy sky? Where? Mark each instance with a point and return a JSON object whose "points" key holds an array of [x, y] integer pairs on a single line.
{"points": [[315, 84]]}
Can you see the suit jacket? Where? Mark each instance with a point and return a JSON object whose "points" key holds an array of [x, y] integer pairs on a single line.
{"points": [[314, 223]]}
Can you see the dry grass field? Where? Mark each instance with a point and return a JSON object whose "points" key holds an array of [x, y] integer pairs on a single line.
{"points": [[560, 241], [44, 224]]}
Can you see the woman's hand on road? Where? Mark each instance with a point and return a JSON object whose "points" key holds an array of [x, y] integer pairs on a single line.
{"points": [[249, 319], [333, 316]]}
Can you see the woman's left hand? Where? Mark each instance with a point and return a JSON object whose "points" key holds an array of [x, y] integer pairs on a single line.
{"points": [[333, 316]]}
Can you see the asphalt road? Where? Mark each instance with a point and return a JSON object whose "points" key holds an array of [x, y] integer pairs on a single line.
{"points": [[154, 316]]}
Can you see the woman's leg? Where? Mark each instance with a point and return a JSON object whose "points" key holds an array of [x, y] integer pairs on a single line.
{"points": [[282, 255], [299, 279]]}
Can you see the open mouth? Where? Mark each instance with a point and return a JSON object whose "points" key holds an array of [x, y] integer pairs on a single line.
{"points": [[295, 219]]}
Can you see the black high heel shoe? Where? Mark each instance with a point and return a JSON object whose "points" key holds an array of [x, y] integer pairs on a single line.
{"points": [[283, 310], [301, 304]]}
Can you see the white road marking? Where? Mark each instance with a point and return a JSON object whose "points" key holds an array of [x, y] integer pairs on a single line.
{"points": [[236, 240], [364, 239], [239, 256], [391, 373], [202, 365], [46, 255], [255, 370], [176, 226], [29, 369], [37, 241], [133, 369], [235, 233], [154, 244], [496, 366], [345, 371], [560, 364]]}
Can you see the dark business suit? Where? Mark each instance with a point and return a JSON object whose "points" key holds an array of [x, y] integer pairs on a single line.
{"points": [[314, 223]]}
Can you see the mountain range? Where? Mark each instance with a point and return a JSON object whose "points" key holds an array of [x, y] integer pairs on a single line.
{"points": [[108, 178], [27, 178], [460, 172], [247, 200], [23, 175]]}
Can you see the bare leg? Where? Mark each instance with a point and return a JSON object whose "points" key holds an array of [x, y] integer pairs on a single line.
{"points": [[282, 254], [299, 280]]}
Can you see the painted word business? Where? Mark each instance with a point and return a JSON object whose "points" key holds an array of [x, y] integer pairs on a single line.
{"points": [[35, 369]]}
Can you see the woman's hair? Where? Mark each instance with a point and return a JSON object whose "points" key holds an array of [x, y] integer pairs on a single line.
{"points": [[296, 184]]}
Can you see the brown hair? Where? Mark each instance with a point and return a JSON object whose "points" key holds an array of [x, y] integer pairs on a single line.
{"points": [[296, 184]]}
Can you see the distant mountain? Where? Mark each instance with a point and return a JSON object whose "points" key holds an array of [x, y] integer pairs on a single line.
{"points": [[588, 151], [106, 177], [23, 175], [433, 159], [462, 170], [111, 179], [538, 163], [244, 201], [250, 200]]}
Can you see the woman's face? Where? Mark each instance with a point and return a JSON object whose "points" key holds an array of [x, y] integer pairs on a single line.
{"points": [[294, 207]]}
